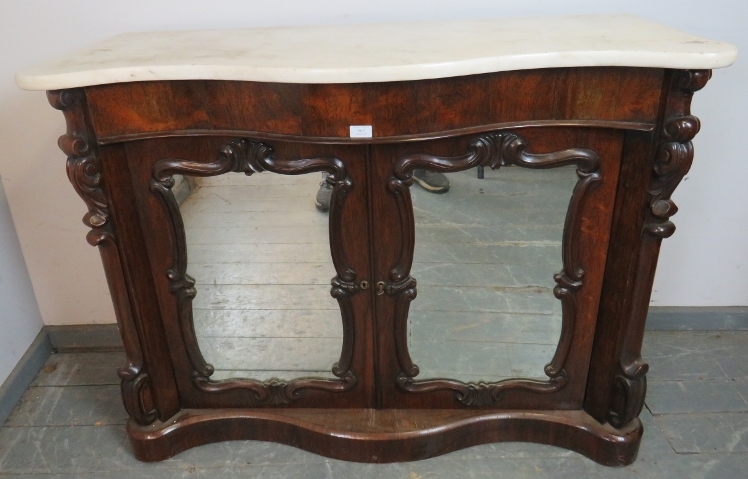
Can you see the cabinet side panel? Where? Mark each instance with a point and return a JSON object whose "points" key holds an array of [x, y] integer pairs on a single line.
{"points": [[654, 166], [620, 271], [137, 271], [100, 187]]}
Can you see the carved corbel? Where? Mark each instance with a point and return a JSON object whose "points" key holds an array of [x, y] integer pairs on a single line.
{"points": [[675, 152], [85, 174]]}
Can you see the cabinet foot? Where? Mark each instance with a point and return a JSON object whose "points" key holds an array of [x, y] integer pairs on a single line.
{"points": [[392, 435]]}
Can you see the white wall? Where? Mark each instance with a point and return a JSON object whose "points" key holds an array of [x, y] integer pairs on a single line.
{"points": [[705, 263], [20, 320]]}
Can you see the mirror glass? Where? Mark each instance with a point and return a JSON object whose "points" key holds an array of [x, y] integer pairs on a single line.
{"points": [[259, 252], [485, 255]]}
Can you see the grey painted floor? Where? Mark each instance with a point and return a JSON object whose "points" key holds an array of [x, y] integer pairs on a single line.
{"points": [[70, 423]]}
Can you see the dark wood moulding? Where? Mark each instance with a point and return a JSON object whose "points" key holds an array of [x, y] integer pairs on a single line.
{"points": [[627, 132], [388, 435]]}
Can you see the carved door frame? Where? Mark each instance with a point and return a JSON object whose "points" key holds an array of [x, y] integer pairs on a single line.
{"points": [[494, 149]]}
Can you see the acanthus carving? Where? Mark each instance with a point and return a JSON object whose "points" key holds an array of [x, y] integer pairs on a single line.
{"points": [[244, 156], [675, 153], [85, 174], [481, 393], [496, 150], [83, 166], [671, 163], [275, 391]]}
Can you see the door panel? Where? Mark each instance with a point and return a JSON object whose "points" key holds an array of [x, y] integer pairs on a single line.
{"points": [[557, 185], [278, 333]]}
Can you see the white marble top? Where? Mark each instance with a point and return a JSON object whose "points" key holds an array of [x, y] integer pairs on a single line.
{"points": [[380, 52]]}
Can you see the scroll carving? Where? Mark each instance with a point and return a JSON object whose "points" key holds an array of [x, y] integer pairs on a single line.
{"points": [[674, 153], [629, 390], [84, 173], [496, 150], [671, 163], [244, 156]]}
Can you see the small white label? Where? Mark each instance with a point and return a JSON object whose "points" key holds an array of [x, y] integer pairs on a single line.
{"points": [[360, 131]]}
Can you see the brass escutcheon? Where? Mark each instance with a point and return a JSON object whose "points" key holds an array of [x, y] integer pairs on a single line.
{"points": [[364, 284], [380, 287]]}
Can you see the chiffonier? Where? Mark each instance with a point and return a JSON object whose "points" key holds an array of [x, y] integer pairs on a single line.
{"points": [[605, 98]]}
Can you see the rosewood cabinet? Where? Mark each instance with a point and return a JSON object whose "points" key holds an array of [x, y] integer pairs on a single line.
{"points": [[625, 130]]}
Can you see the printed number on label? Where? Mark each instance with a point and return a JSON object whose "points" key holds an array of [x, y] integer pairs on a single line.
{"points": [[360, 131]]}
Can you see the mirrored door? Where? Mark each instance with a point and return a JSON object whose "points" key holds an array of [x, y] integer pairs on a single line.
{"points": [[485, 282], [265, 294]]}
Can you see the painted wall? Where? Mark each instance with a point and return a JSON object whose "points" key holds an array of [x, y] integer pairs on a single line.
{"points": [[703, 264], [20, 320]]}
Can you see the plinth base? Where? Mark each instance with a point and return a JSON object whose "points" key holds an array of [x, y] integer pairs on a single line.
{"points": [[392, 435]]}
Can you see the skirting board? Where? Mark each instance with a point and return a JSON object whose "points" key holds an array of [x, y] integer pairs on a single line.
{"points": [[85, 337], [671, 318], [106, 337], [25, 371]]}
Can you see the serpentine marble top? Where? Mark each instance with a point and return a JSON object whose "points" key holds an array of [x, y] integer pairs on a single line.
{"points": [[380, 52]]}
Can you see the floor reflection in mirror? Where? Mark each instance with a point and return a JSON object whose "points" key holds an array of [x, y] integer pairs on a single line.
{"points": [[259, 252], [485, 256]]}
